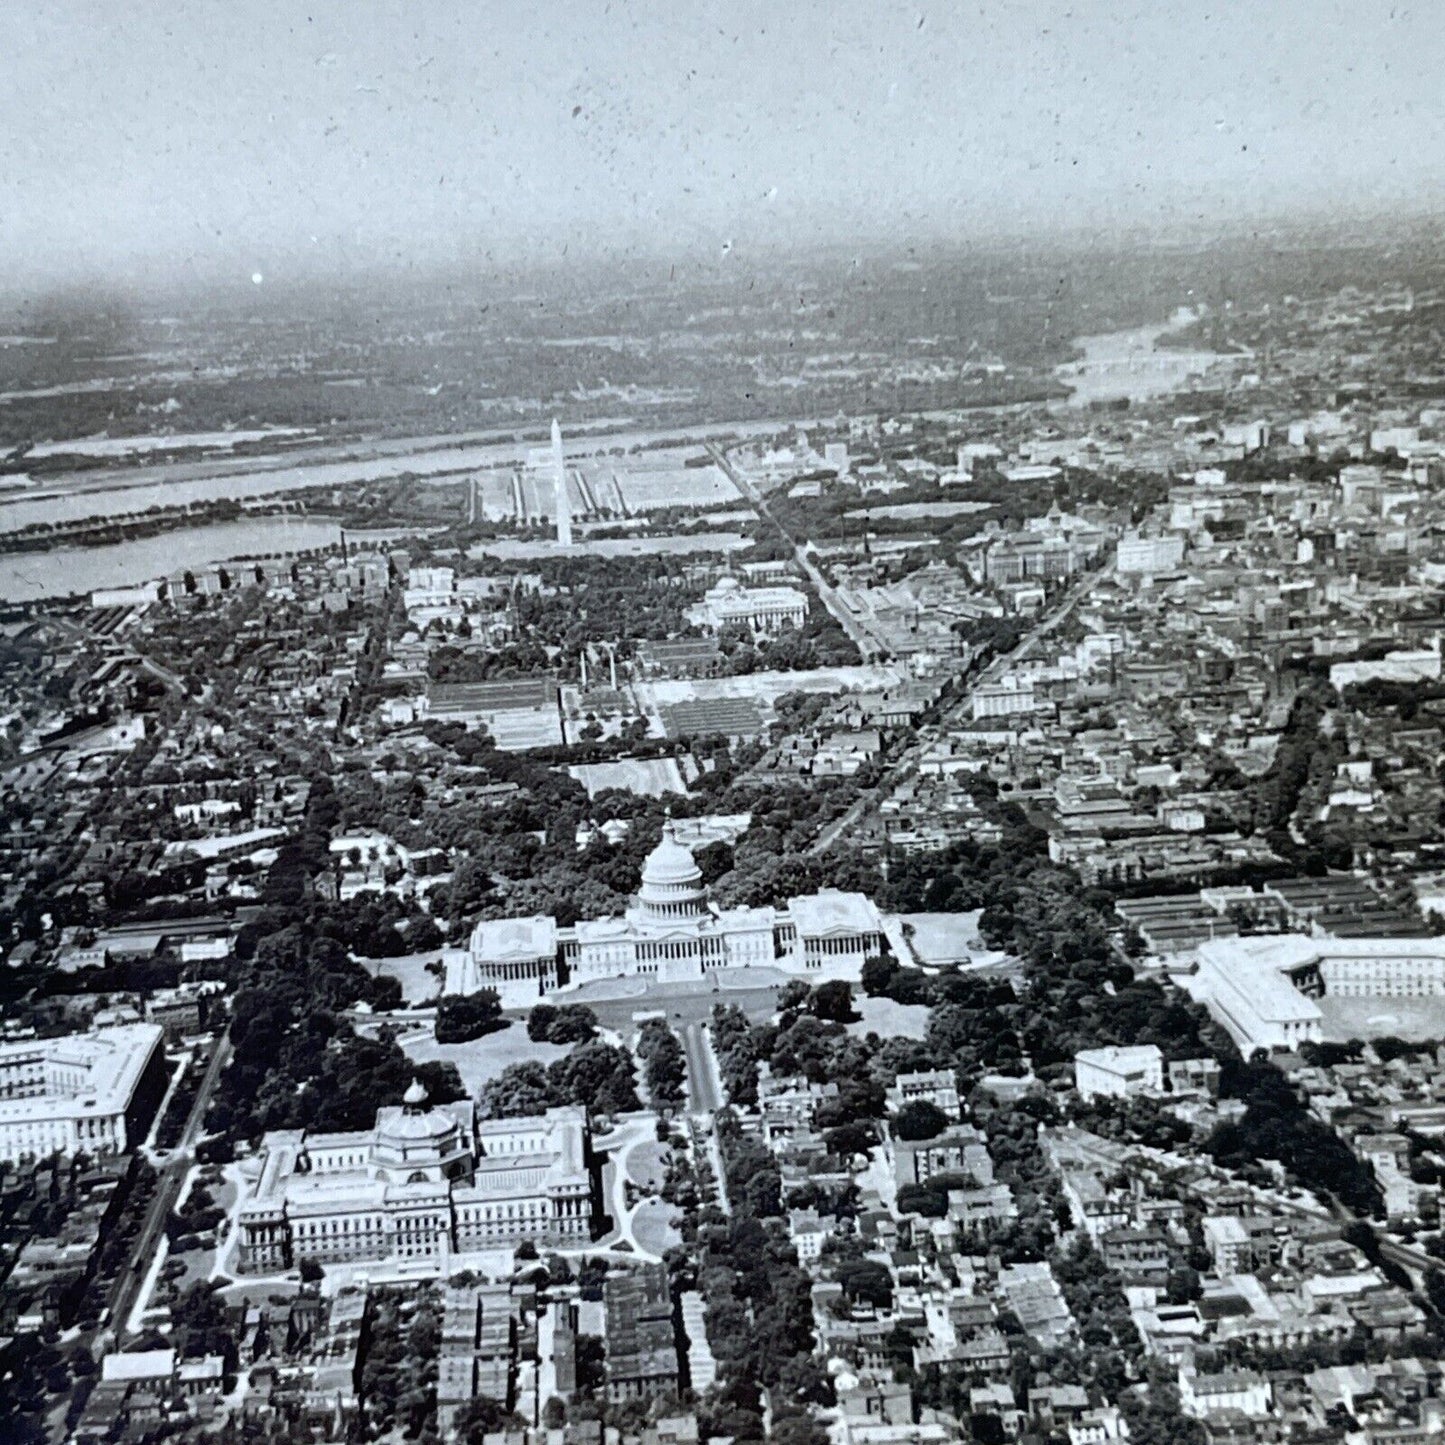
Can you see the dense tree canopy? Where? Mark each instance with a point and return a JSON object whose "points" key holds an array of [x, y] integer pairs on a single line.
{"points": [[462, 1017]]}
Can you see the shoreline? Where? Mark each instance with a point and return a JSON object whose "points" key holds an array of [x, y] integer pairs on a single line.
{"points": [[77, 515]]}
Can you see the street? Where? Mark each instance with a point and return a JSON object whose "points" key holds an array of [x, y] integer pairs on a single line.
{"points": [[169, 1180], [907, 762], [870, 648], [865, 642], [704, 1087]]}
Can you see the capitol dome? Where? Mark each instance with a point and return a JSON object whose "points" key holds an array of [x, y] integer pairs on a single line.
{"points": [[671, 880], [671, 862]]}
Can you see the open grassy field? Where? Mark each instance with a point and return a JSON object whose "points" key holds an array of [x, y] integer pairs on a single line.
{"points": [[647, 777], [912, 511], [482, 1059], [514, 549], [417, 985], [888, 1019], [654, 1227], [647, 487]]}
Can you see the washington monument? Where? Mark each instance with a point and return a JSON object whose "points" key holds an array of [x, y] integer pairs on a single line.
{"points": [[564, 510]]}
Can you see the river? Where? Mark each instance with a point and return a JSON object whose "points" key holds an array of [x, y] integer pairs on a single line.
{"points": [[30, 576], [80, 496], [1119, 364], [1116, 364]]}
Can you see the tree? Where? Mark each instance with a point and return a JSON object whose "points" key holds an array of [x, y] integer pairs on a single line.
{"points": [[519, 1090], [597, 1075], [922, 1199], [1184, 1285], [867, 1280], [666, 1067], [423, 934], [463, 1017], [794, 996], [540, 1021], [798, 1429], [572, 1023], [920, 1119], [833, 1001], [715, 860], [591, 1364], [849, 1139], [763, 1193], [484, 1416], [876, 975], [734, 1046]]}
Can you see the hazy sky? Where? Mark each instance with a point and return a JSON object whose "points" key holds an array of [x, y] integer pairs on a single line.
{"points": [[245, 136]]}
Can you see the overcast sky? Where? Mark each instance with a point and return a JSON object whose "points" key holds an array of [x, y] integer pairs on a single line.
{"points": [[254, 136]]}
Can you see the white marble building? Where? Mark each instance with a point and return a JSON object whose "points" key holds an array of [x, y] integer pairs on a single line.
{"points": [[93, 1093], [759, 609], [425, 1183], [671, 931]]}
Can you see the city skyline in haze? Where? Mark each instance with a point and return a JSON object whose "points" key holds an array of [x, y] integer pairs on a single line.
{"points": [[258, 141]]}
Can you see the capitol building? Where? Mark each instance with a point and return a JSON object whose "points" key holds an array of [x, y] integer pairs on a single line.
{"points": [[428, 1182], [671, 931]]}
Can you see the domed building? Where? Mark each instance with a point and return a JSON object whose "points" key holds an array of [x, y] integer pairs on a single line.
{"points": [[417, 1145], [428, 1182], [671, 881], [728, 603], [671, 931]]}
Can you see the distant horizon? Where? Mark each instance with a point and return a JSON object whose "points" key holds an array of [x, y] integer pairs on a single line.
{"points": [[1363, 227]]}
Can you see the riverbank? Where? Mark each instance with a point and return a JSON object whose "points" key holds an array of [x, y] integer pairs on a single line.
{"points": [[73, 533], [76, 497], [44, 537], [1130, 366], [77, 571]]}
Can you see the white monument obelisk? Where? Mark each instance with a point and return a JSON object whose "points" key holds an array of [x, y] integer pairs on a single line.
{"points": [[564, 508]]}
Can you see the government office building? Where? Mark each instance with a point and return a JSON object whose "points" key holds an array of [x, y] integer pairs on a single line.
{"points": [[1264, 989], [93, 1093], [428, 1182]]}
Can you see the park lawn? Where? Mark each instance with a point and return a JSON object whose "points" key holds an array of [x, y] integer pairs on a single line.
{"points": [[654, 1226], [224, 1192], [481, 1060], [647, 1165], [260, 1292], [198, 1264], [417, 985], [888, 1019]]}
